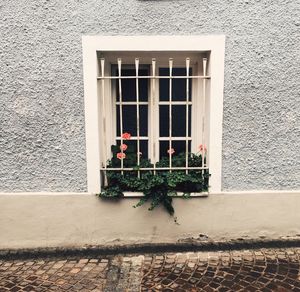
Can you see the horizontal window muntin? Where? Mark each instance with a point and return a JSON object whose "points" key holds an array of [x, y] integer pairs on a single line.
{"points": [[154, 77]]}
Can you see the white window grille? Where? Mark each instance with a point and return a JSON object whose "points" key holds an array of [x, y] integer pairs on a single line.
{"points": [[100, 80], [165, 96]]}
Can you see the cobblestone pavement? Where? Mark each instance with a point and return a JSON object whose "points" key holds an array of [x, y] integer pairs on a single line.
{"points": [[245, 270]]}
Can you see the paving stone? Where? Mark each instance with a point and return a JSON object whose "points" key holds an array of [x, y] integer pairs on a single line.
{"points": [[257, 270], [104, 260], [93, 261]]}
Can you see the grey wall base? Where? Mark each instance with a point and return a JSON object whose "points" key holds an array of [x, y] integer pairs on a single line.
{"points": [[48, 220]]}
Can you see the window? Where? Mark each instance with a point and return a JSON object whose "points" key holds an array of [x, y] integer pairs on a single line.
{"points": [[159, 101], [161, 90]]}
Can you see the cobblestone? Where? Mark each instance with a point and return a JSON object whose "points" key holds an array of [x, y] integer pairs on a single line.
{"points": [[245, 270]]}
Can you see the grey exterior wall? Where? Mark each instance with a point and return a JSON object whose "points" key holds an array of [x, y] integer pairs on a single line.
{"points": [[42, 137]]}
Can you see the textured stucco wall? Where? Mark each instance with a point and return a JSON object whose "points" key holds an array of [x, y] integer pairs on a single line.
{"points": [[42, 138]]}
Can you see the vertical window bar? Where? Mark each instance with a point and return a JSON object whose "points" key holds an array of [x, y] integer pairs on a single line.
{"points": [[187, 115], [121, 111], [152, 113], [203, 111], [170, 113], [102, 62], [137, 112]]}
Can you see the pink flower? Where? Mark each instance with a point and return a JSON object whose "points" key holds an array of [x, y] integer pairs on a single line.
{"points": [[201, 148], [126, 136], [121, 155], [123, 147], [171, 151]]}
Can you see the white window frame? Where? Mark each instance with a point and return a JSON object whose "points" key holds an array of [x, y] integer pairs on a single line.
{"points": [[93, 44]]}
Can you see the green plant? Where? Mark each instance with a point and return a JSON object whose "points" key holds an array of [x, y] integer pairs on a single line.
{"points": [[158, 186]]}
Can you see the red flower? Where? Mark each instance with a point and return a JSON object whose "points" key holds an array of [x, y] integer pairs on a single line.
{"points": [[171, 151], [121, 155], [123, 147], [126, 136], [201, 148]]}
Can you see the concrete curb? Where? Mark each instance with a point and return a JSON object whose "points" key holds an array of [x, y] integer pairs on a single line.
{"points": [[188, 245]]}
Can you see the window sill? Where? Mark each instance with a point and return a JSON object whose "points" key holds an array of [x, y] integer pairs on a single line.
{"points": [[179, 195]]}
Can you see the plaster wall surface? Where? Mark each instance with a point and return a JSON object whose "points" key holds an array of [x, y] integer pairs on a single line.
{"points": [[42, 134], [30, 221]]}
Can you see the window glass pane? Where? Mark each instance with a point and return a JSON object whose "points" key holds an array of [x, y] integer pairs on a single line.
{"points": [[164, 121], [129, 119], [131, 158], [143, 120], [178, 146], [178, 120], [163, 85], [144, 149], [163, 149], [129, 85], [178, 85], [132, 148]]}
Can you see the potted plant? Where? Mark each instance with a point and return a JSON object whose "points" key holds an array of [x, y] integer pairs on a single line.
{"points": [[158, 184]]}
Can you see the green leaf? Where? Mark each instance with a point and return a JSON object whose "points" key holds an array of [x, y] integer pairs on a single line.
{"points": [[157, 188]]}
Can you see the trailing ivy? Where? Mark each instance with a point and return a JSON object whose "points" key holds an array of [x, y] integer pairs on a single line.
{"points": [[158, 188]]}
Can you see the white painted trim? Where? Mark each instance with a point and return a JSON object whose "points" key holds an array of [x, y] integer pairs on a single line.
{"points": [[154, 43], [179, 194], [91, 104], [217, 59], [135, 194], [92, 44]]}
